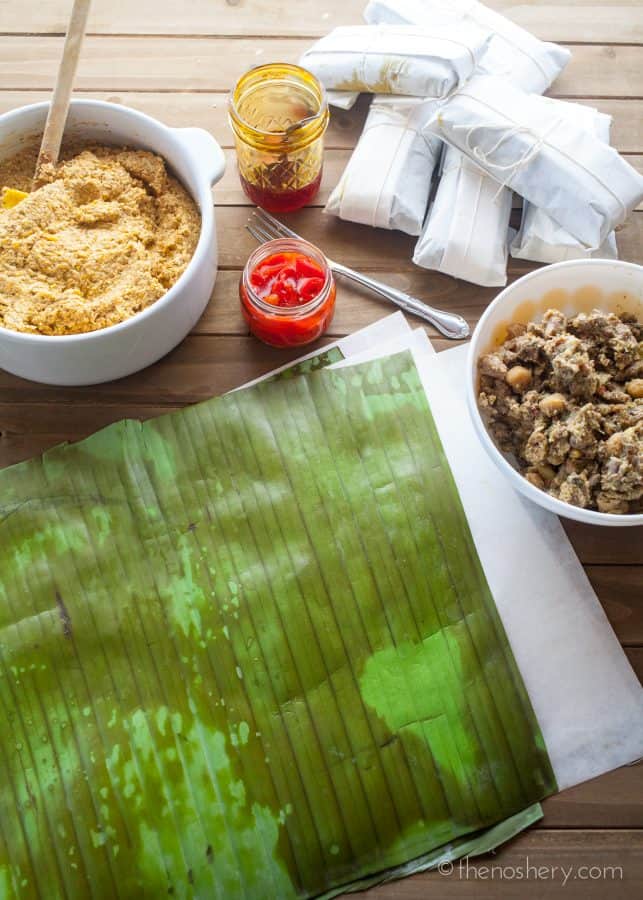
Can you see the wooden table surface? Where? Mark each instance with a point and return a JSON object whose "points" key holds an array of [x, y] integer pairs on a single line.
{"points": [[177, 61]]}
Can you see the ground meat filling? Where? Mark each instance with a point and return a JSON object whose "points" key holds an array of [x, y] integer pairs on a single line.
{"points": [[108, 235], [565, 397]]}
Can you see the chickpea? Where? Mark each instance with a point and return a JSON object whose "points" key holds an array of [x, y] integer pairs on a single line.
{"points": [[535, 478], [635, 388], [546, 472], [518, 378], [552, 404], [611, 503]]}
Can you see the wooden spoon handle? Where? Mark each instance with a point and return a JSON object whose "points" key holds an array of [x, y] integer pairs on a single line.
{"points": [[57, 116]]}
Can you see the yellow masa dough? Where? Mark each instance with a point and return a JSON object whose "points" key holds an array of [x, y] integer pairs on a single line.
{"points": [[108, 235]]}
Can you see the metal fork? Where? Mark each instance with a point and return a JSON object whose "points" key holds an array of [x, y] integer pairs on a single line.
{"points": [[451, 325]]}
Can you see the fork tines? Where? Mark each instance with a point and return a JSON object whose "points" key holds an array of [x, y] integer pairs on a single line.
{"points": [[274, 226], [258, 233]]}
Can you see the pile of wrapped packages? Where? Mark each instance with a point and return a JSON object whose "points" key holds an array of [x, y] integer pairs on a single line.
{"points": [[458, 93]]}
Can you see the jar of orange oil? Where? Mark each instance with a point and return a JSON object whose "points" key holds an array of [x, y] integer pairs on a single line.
{"points": [[279, 115]]}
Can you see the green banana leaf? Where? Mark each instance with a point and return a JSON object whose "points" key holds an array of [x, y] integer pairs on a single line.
{"points": [[248, 650]]}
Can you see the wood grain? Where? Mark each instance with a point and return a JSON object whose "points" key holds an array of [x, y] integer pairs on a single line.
{"points": [[621, 589], [615, 800], [555, 851], [209, 110], [555, 21], [362, 247], [213, 64], [177, 62], [355, 307], [606, 546], [229, 192]]}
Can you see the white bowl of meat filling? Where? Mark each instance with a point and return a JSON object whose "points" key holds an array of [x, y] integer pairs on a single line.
{"points": [[110, 263], [555, 389]]}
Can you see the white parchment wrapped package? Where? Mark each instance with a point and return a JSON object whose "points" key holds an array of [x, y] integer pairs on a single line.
{"points": [[397, 59], [513, 53], [465, 234], [540, 239], [466, 231], [342, 99], [526, 144], [387, 180]]}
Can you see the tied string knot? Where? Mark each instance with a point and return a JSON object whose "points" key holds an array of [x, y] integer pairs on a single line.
{"points": [[511, 169]]}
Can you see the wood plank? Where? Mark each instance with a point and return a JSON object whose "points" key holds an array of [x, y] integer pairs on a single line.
{"points": [[198, 17], [570, 20], [606, 546], [355, 307], [362, 247], [213, 64], [198, 368], [209, 110], [539, 864], [615, 800], [620, 590], [230, 193], [597, 21]]}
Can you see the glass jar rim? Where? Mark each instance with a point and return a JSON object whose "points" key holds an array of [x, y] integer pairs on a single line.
{"points": [[285, 245], [310, 128]]}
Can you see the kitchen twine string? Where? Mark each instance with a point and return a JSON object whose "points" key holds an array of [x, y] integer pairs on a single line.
{"points": [[511, 168]]}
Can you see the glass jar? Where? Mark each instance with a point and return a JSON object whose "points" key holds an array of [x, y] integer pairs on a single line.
{"points": [[287, 326], [278, 113]]}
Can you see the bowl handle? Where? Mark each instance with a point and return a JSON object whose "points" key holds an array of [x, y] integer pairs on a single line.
{"points": [[204, 150]]}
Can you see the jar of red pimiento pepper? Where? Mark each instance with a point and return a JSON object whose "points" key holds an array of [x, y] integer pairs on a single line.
{"points": [[278, 113], [287, 293]]}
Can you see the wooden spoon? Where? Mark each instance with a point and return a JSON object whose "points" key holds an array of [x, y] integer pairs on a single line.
{"points": [[57, 116]]}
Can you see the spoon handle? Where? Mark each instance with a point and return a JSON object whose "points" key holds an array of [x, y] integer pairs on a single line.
{"points": [[449, 324], [57, 115]]}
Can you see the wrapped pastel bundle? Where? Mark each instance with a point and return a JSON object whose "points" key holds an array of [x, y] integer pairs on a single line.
{"points": [[387, 181], [525, 143], [540, 238], [429, 62], [342, 99], [465, 234], [512, 52]]}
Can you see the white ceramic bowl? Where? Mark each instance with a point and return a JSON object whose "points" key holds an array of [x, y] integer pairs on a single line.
{"points": [[197, 160], [574, 286]]}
